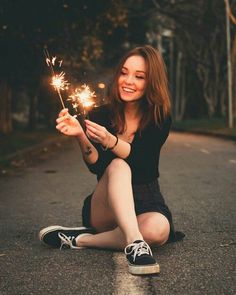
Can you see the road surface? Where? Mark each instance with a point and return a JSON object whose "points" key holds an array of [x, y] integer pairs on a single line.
{"points": [[198, 180]]}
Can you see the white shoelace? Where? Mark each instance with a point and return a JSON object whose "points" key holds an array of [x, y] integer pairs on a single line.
{"points": [[138, 249], [67, 241]]}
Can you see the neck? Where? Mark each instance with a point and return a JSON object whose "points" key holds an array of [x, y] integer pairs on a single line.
{"points": [[132, 111]]}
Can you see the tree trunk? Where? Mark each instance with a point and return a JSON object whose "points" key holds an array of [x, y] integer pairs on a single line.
{"points": [[32, 112], [171, 70], [5, 107], [234, 75], [183, 92], [178, 86]]}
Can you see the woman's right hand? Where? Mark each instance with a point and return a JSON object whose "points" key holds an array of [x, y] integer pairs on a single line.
{"points": [[68, 124]]}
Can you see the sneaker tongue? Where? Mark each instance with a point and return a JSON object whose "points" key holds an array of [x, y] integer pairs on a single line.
{"points": [[137, 241]]}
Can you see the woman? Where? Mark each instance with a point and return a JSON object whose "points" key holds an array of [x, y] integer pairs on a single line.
{"points": [[122, 146]]}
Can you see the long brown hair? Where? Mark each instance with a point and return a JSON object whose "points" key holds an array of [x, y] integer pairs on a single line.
{"points": [[155, 105]]}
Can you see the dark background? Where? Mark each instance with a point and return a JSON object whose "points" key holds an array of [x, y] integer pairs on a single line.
{"points": [[90, 36]]}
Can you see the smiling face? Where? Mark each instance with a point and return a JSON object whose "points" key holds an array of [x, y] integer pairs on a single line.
{"points": [[132, 79]]}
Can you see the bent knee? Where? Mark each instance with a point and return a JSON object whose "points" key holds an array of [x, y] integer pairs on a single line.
{"points": [[117, 165], [155, 234]]}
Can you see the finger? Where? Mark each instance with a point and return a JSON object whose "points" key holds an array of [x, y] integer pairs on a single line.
{"points": [[93, 130], [64, 129], [61, 125], [91, 133], [63, 118], [63, 112], [99, 133], [95, 125], [100, 129], [92, 136]]}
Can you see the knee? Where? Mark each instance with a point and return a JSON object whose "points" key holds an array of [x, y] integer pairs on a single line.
{"points": [[118, 165], [155, 234]]}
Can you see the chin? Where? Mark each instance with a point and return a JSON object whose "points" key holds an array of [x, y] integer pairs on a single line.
{"points": [[130, 99]]}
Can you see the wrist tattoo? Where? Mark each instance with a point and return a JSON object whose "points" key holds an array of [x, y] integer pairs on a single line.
{"points": [[88, 151]]}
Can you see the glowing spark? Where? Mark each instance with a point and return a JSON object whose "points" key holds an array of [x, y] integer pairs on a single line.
{"points": [[59, 82], [48, 61], [53, 60], [82, 96]]}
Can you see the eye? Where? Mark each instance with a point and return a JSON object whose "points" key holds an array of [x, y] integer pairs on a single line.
{"points": [[140, 77], [123, 72]]}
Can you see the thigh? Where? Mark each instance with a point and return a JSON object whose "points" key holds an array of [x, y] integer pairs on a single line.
{"points": [[154, 227], [101, 217]]}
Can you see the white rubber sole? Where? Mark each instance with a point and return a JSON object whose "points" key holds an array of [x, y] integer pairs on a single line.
{"points": [[51, 228], [144, 270]]}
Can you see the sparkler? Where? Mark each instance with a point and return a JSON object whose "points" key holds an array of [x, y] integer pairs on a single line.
{"points": [[82, 96], [58, 80]]}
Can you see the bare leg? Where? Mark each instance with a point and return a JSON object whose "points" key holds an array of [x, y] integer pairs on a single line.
{"points": [[113, 239], [112, 210], [154, 227]]}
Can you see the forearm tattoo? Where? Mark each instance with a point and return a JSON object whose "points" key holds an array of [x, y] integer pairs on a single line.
{"points": [[88, 151]]}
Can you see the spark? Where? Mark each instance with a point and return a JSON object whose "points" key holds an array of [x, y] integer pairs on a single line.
{"points": [[82, 96], [59, 82], [54, 60], [48, 61]]}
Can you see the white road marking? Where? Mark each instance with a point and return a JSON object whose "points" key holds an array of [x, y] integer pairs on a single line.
{"points": [[125, 283], [232, 161], [204, 151]]}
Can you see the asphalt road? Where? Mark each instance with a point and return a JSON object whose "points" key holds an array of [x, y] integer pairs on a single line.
{"points": [[198, 180]]}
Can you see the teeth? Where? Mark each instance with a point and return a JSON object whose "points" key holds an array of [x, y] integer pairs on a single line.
{"points": [[128, 90]]}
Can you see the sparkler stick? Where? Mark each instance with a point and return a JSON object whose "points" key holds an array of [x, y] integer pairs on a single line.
{"points": [[58, 81]]}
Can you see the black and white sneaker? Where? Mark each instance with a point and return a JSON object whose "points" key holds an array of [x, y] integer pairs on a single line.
{"points": [[63, 237], [140, 258]]}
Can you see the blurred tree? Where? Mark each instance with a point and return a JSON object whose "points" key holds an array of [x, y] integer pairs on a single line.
{"points": [[234, 74], [199, 37], [87, 34], [74, 30], [233, 21]]}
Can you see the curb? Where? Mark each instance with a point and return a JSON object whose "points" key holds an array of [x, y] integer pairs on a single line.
{"points": [[57, 141], [207, 133], [36, 148]]}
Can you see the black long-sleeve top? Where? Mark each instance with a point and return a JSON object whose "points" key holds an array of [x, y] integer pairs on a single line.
{"points": [[145, 148]]}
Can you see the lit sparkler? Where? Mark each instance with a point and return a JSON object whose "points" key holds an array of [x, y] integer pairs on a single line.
{"points": [[82, 96], [58, 80]]}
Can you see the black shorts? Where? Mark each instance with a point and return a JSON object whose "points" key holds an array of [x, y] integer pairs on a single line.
{"points": [[147, 198]]}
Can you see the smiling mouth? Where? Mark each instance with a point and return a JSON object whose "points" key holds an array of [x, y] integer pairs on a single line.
{"points": [[128, 90]]}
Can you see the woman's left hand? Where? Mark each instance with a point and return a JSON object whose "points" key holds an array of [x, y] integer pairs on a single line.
{"points": [[97, 133]]}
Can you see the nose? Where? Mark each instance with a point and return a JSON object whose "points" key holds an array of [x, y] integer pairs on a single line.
{"points": [[129, 79]]}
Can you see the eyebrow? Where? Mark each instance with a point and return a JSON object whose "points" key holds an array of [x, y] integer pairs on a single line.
{"points": [[136, 70]]}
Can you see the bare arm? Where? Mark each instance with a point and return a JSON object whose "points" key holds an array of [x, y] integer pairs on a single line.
{"points": [[100, 135], [70, 126]]}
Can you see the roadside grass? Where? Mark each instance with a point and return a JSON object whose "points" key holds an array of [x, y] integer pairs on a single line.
{"points": [[215, 126], [20, 140]]}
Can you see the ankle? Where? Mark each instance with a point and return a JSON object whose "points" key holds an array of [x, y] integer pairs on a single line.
{"points": [[82, 239], [130, 239]]}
